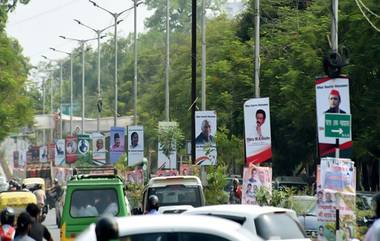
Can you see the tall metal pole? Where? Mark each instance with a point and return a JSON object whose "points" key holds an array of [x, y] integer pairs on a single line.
{"points": [[51, 105], [167, 63], [98, 89], [334, 25], [203, 55], [71, 94], [43, 109], [193, 73], [257, 49], [135, 68], [83, 75], [116, 90], [61, 97]]}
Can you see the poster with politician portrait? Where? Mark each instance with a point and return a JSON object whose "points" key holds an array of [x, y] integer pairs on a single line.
{"points": [[257, 130], [135, 144], [71, 144], [205, 141], [117, 146], [98, 149], [43, 154], [254, 179], [59, 152], [332, 96]]}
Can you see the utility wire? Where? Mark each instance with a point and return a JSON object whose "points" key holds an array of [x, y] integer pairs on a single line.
{"points": [[369, 10], [366, 17]]}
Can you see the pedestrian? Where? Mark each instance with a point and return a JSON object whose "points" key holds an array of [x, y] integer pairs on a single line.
{"points": [[373, 234], [235, 194], [24, 224], [7, 231], [38, 230], [40, 195], [153, 205]]}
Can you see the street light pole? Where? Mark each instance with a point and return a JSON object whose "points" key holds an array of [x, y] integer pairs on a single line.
{"points": [[167, 105], [98, 33], [51, 96], [71, 88], [257, 49], [135, 66], [115, 16], [61, 95], [82, 43]]}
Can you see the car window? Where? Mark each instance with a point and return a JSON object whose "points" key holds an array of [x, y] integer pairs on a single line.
{"points": [[177, 195], [185, 236], [278, 226], [93, 203]]}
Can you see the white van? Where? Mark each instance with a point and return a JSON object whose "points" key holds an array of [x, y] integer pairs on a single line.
{"points": [[176, 194]]}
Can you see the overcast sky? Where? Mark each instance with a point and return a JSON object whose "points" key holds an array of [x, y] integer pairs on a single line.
{"points": [[38, 24]]}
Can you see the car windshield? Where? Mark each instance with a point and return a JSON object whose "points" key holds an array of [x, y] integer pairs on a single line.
{"points": [[177, 195], [277, 226], [93, 203]]}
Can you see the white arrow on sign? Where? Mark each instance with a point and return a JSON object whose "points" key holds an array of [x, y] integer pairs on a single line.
{"points": [[340, 131]]}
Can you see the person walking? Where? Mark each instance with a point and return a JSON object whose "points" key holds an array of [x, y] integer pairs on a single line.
{"points": [[24, 224], [236, 193], [38, 231], [7, 231]]}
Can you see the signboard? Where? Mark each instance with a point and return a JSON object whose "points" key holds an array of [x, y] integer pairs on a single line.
{"points": [[205, 143], [257, 131], [51, 153], [254, 178], [59, 152], [135, 144], [43, 154], [162, 160], [98, 149], [84, 144], [116, 143], [332, 97], [71, 143], [338, 125]]}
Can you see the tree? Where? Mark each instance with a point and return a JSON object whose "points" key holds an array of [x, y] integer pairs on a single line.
{"points": [[170, 137]]}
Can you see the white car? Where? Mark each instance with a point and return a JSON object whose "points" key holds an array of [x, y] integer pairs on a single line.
{"points": [[170, 228], [269, 223]]}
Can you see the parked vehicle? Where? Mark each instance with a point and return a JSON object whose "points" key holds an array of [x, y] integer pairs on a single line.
{"points": [[305, 207], [168, 228], [297, 183], [89, 196], [175, 193], [268, 223], [18, 200]]}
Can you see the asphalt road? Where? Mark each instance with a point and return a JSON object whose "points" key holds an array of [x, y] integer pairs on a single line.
{"points": [[51, 225]]}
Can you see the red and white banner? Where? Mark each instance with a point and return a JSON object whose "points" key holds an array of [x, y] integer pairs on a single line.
{"points": [[254, 178], [257, 131], [71, 149]]}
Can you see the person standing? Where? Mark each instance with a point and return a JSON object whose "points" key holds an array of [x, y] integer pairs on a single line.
{"points": [[236, 193], [373, 233], [40, 195], [7, 231], [24, 225], [38, 231]]}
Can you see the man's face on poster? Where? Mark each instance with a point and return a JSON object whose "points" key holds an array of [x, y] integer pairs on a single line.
{"points": [[253, 173], [261, 176], [334, 101], [206, 128], [117, 142], [99, 144], [260, 118], [134, 139]]}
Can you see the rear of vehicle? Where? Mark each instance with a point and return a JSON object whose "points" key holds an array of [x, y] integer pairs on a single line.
{"points": [[175, 193], [18, 200], [88, 197]]}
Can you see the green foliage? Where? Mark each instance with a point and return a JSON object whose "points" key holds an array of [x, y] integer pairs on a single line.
{"points": [[170, 137], [216, 181], [276, 198], [135, 194]]}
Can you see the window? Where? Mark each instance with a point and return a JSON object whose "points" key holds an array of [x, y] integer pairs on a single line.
{"points": [[278, 226], [93, 203], [177, 195], [173, 237]]}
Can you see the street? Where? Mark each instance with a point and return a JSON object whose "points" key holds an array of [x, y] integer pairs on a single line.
{"points": [[50, 224]]}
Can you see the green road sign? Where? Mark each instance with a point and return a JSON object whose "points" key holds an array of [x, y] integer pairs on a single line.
{"points": [[337, 125]]}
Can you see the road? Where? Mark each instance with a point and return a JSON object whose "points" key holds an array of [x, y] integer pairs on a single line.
{"points": [[50, 224]]}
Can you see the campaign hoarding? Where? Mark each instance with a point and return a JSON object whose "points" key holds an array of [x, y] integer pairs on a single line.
{"points": [[205, 142], [117, 145], [59, 152], [255, 178], [332, 97], [71, 143], [43, 154], [51, 153], [162, 160], [135, 144], [257, 131], [98, 149]]}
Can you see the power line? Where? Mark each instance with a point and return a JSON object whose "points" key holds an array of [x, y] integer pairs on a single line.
{"points": [[366, 17], [369, 10]]}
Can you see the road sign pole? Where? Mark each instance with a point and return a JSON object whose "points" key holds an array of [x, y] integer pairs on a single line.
{"points": [[337, 148]]}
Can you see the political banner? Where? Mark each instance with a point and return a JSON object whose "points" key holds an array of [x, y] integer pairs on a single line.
{"points": [[257, 131], [255, 178], [135, 144], [185, 170], [117, 146], [63, 174], [51, 153], [136, 176], [332, 96], [71, 144], [59, 152], [43, 154], [33, 155], [16, 157], [83, 144], [166, 173], [98, 149], [163, 162], [338, 174], [205, 142]]}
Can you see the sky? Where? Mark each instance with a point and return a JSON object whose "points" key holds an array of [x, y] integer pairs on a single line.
{"points": [[38, 24]]}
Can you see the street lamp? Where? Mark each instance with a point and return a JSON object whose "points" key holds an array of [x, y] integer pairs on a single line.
{"points": [[98, 33], [71, 87], [82, 42], [115, 16], [51, 96]]}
